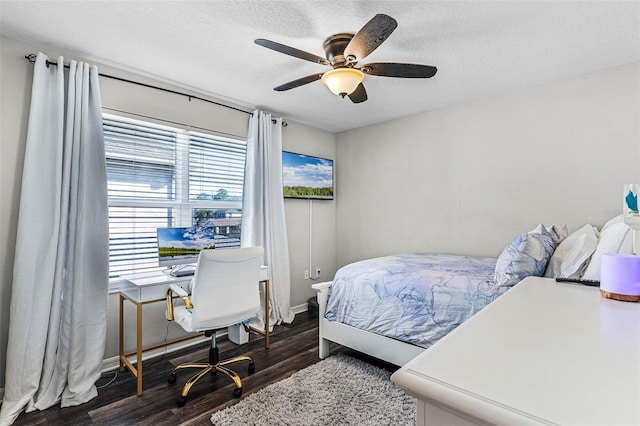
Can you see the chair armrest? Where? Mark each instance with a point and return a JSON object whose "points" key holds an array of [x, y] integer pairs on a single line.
{"points": [[178, 291]]}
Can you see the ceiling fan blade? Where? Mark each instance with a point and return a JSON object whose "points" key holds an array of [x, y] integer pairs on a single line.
{"points": [[374, 32], [299, 82], [291, 51], [358, 95], [389, 69]]}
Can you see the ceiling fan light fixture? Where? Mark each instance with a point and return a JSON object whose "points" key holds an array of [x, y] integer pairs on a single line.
{"points": [[343, 81]]}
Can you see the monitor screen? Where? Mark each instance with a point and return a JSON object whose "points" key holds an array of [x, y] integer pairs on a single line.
{"points": [[305, 176], [178, 246]]}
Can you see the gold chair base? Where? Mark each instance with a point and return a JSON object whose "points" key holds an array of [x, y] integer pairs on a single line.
{"points": [[208, 368]]}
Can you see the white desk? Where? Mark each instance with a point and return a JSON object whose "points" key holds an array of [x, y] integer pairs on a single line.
{"points": [[543, 353], [152, 288]]}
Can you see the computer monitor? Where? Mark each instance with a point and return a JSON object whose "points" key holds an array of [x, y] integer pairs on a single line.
{"points": [[180, 246]]}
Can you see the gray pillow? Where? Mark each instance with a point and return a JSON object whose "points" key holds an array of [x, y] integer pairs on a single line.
{"points": [[527, 255]]}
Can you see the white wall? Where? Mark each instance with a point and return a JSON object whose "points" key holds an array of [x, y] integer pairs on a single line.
{"points": [[308, 140], [16, 75], [468, 178]]}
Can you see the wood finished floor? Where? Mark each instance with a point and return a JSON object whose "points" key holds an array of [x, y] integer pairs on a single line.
{"points": [[293, 347]]}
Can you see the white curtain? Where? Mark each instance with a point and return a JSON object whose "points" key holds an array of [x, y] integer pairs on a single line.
{"points": [[59, 296], [263, 219]]}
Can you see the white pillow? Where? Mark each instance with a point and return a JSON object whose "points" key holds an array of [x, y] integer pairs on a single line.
{"points": [[615, 237], [571, 257]]}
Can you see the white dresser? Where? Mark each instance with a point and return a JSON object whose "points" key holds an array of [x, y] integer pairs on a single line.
{"points": [[543, 353]]}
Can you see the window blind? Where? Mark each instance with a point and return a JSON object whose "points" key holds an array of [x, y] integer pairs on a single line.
{"points": [[161, 176]]}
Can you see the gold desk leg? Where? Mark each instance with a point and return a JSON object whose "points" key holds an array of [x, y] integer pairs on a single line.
{"points": [[136, 370], [266, 314], [121, 368], [139, 350]]}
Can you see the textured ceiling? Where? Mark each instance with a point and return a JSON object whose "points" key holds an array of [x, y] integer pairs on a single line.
{"points": [[481, 48]]}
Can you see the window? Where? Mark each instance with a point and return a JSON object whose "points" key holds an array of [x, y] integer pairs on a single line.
{"points": [[160, 176]]}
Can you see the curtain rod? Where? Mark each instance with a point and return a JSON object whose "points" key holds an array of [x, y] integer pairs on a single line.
{"points": [[32, 59]]}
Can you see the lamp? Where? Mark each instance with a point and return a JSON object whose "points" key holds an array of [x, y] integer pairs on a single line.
{"points": [[631, 214], [620, 277], [343, 81]]}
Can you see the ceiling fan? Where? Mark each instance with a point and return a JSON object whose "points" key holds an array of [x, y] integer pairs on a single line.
{"points": [[343, 51]]}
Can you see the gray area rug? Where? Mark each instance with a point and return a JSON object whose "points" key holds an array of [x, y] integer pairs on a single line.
{"points": [[339, 390]]}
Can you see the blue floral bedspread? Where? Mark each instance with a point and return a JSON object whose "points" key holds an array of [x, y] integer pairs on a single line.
{"points": [[416, 298]]}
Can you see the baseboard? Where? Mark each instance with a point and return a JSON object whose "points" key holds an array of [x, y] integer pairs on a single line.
{"points": [[303, 307], [113, 362]]}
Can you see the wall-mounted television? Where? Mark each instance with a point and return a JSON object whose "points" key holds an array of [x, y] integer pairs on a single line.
{"points": [[180, 246], [306, 176]]}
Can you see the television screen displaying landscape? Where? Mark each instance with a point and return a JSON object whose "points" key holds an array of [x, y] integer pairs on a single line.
{"points": [[305, 176]]}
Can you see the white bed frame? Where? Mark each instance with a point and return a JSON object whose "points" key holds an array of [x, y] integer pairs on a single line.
{"points": [[376, 345]]}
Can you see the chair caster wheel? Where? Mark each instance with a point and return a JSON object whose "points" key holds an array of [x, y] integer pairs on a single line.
{"points": [[237, 392], [252, 368], [180, 401], [172, 378]]}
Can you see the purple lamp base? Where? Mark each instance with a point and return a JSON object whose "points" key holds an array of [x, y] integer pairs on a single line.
{"points": [[620, 277]]}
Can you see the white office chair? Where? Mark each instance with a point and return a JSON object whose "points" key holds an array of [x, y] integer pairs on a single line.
{"points": [[224, 293]]}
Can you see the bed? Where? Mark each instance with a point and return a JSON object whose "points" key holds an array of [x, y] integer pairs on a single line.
{"points": [[394, 307]]}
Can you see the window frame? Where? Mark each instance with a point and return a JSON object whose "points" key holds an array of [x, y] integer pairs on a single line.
{"points": [[183, 207]]}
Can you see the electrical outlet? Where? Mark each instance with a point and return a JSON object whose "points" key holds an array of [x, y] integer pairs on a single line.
{"points": [[317, 272], [306, 275]]}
